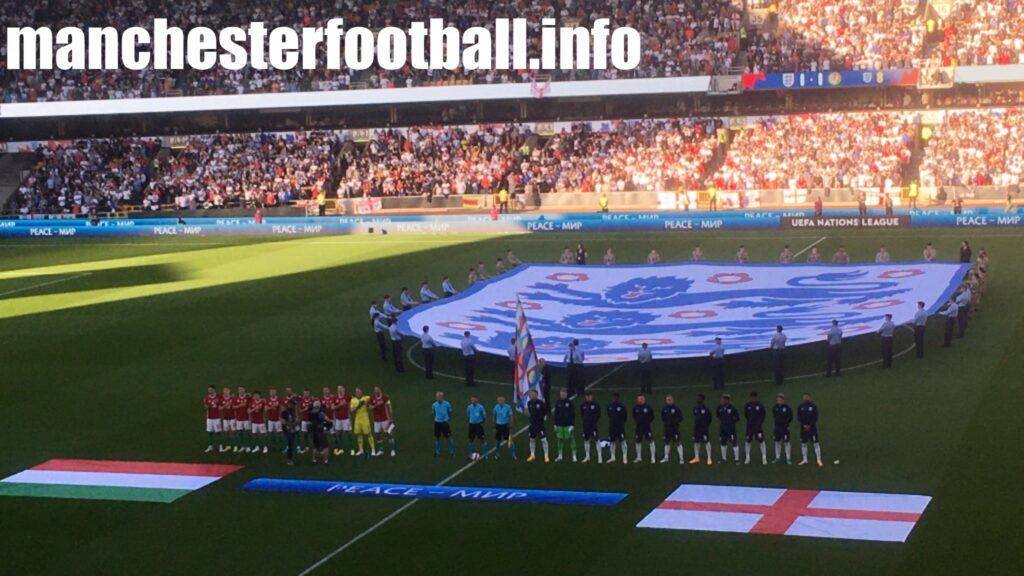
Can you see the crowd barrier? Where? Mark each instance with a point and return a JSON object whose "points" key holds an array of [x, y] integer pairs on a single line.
{"points": [[677, 222]]}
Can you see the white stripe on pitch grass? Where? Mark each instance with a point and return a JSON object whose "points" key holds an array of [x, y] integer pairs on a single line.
{"points": [[116, 479]]}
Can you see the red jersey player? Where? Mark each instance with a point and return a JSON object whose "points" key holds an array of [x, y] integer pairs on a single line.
{"points": [[274, 405], [342, 422], [258, 417], [241, 405], [227, 415], [380, 406], [304, 403], [212, 403]]}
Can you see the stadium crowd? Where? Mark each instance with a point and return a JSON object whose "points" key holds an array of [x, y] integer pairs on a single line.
{"points": [[437, 162], [976, 148], [650, 155], [85, 176], [867, 150], [814, 35], [229, 169], [982, 32]]}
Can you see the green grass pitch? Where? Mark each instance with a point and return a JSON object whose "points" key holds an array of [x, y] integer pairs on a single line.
{"points": [[108, 345]]}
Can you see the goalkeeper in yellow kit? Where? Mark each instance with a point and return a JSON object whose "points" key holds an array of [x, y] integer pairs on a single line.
{"points": [[360, 411]]}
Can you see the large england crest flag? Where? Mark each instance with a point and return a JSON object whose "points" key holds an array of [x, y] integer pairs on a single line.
{"points": [[813, 513], [679, 309]]}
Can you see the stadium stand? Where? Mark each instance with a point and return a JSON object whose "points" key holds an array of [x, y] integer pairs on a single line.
{"points": [[819, 151], [817, 35], [982, 32], [85, 176], [976, 148], [232, 169]]}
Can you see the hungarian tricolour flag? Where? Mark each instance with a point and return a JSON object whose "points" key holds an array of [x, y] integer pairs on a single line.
{"points": [[527, 373], [815, 513], [113, 480]]}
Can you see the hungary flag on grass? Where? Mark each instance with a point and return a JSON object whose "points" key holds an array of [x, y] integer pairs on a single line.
{"points": [[113, 480]]}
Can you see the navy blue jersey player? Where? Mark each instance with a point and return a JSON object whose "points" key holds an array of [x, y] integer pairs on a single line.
{"points": [[701, 430], [728, 416], [537, 410], [643, 414], [755, 414], [590, 413], [671, 418], [783, 416], [617, 415], [807, 416]]}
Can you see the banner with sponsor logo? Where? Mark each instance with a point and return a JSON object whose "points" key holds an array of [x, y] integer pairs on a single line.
{"points": [[895, 221], [674, 221], [431, 492]]}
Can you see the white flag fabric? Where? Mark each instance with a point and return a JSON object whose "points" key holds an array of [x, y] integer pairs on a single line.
{"points": [[679, 308], [812, 513]]}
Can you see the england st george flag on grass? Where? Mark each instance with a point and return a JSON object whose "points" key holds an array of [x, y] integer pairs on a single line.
{"points": [[814, 513]]}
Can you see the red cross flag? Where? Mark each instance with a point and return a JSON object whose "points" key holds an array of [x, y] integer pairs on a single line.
{"points": [[815, 513]]}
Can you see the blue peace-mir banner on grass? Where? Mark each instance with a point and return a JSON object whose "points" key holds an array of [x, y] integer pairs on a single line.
{"points": [[679, 309]]}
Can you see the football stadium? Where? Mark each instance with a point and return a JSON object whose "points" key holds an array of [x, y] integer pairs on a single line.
{"points": [[536, 287]]}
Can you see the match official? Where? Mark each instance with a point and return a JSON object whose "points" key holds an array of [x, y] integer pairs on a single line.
{"points": [[396, 345], [574, 358], [951, 313], [717, 355], [920, 321], [645, 359], [778, 346], [963, 304], [427, 344], [835, 346], [379, 328], [468, 345], [886, 331]]}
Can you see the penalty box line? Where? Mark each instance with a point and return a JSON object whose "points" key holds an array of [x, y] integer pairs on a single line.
{"points": [[409, 504]]}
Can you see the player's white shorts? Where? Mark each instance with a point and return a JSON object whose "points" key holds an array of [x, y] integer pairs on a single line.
{"points": [[259, 428], [243, 425], [342, 425], [213, 425], [274, 425], [229, 426], [380, 427], [305, 425]]}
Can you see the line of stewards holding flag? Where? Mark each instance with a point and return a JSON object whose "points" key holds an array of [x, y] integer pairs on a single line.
{"points": [[566, 417]]}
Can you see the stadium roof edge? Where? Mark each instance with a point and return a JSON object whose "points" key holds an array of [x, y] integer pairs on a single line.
{"points": [[289, 100], [283, 101]]}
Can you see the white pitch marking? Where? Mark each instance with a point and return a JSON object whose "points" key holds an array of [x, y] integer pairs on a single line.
{"points": [[407, 505], [811, 245], [42, 284]]}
